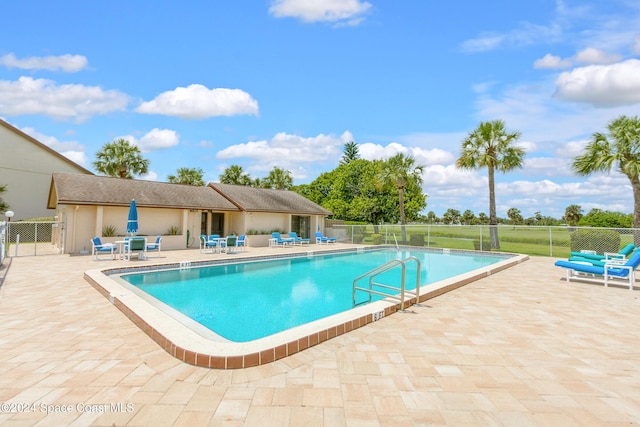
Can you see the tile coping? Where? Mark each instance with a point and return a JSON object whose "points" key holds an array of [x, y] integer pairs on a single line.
{"points": [[203, 349]]}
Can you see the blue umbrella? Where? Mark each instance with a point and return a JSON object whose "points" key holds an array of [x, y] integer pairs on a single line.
{"points": [[132, 220]]}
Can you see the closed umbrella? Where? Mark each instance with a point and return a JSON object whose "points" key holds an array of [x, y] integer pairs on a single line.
{"points": [[132, 220]]}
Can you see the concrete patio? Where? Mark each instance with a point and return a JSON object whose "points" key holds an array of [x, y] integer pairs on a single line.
{"points": [[520, 347]]}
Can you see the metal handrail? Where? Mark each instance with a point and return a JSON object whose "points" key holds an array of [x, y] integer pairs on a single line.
{"points": [[383, 268]]}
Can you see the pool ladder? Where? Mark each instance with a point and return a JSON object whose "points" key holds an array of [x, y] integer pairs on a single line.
{"points": [[381, 269]]}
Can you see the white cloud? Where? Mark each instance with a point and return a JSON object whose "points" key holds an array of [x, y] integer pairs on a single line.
{"points": [[348, 12], [150, 176], [158, 139], [72, 150], [198, 102], [547, 166], [571, 149], [71, 101], [450, 178], [592, 55], [525, 35], [551, 62], [371, 151], [291, 152], [602, 85], [66, 63]]}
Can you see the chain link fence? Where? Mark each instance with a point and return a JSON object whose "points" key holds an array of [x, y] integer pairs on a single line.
{"points": [[30, 238], [531, 240], [2, 240]]}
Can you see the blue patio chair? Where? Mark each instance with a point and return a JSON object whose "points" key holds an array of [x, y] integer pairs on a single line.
{"points": [[97, 248], [298, 240], [242, 242], [612, 272], [207, 244], [156, 246], [323, 239]]}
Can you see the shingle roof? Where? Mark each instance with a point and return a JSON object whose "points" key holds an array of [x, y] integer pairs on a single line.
{"points": [[79, 189], [253, 199]]}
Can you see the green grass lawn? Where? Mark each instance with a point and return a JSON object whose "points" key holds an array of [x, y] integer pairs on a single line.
{"points": [[539, 241]]}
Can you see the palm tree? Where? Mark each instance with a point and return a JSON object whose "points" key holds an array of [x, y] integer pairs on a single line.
{"points": [[491, 146], [188, 176], [120, 158], [349, 153], [622, 150], [4, 206], [515, 216], [278, 178], [572, 214], [401, 171], [234, 174]]}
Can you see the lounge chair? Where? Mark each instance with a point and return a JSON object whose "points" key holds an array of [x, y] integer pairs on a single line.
{"points": [[155, 246], [97, 248], [278, 240], [323, 239], [609, 258], [298, 240], [136, 246], [612, 272], [623, 253]]}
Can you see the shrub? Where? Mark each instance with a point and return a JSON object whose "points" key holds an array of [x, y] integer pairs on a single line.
{"points": [[416, 239], [597, 240], [109, 231], [376, 239], [173, 231]]}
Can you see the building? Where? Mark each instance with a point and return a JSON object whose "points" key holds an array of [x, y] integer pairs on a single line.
{"points": [[90, 205], [26, 166]]}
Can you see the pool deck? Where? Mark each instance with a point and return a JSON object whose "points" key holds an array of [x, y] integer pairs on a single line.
{"points": [[520, 347]]}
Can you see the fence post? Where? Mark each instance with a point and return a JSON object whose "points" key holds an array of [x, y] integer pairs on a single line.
{"points": [[35, 238]]}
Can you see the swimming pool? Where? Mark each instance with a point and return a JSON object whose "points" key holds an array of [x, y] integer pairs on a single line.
{"points": [[246, 301], [189, 341]]}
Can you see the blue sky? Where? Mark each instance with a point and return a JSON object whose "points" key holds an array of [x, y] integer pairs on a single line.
{"points": [[287, 83]]}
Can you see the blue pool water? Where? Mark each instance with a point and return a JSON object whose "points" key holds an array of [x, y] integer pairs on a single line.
{"points": [[250, 300]]}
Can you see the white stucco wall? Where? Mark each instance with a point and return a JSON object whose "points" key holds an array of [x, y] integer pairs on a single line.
{"points": [[82, 223], [26, 169]]}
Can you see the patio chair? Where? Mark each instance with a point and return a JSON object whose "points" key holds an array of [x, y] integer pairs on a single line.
{"points": [[207, 245], [278, 240], [136, 246], [298, 240], [156, 246], [323, 239], [97, 248], [612, 272], [241, 244], [230, 244]]}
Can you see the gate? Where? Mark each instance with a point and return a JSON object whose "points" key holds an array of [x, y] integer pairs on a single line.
{"points": [[31, 238]]}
